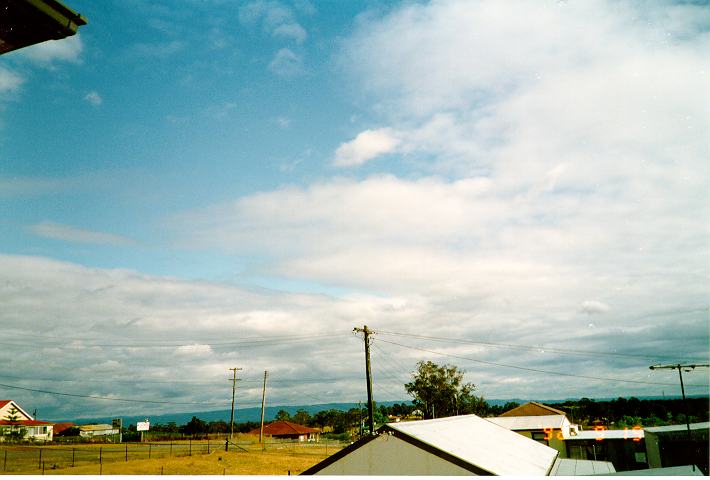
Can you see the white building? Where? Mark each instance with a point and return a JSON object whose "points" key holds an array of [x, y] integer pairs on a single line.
{"points": [[97, 430], [23, 422]]}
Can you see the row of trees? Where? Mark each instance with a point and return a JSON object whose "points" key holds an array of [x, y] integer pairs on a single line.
{"points": [[439, 391]]}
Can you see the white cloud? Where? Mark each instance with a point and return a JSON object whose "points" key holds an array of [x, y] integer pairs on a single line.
{"points": [[47, 53], [593, 307], [556, 167], [286, 63], [366, 146], [9, 81], [275, 19], [72, 234], [94, 98], [283, 122]]}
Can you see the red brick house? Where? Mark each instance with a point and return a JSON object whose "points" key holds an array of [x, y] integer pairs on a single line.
{"points": [[288, 430]]}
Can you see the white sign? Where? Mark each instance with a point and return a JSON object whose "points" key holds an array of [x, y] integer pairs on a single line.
{"points": [[143, 426]]}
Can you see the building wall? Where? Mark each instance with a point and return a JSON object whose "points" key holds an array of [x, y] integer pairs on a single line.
{"points": [[388, 455]]}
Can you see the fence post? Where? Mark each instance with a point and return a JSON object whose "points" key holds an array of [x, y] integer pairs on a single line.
{"points": [[171, 450], [149, 447], [208, 444], [72, 456], [40, 459], [4, 465], [101, 455], [190, 451], [126, 452]]}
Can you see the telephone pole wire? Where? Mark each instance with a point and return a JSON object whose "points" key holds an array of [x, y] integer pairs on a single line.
{"points": [[368, 376], [234, 389]]}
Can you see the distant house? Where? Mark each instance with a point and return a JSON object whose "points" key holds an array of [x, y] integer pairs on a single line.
{"points": [[532, 409], [288, 430], [62, 428], [33, 429], [541, 423], [463, 445], [97, 430]]}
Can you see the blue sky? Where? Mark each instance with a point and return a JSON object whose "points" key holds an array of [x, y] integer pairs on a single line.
{"points": [[210, 184]]}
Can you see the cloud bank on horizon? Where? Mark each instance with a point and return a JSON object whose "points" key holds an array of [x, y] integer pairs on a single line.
{"points": [[514, 188]]}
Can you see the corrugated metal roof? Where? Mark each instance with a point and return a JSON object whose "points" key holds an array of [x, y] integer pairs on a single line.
{"points": [[91, 428], [606, 435], [482, 443], [570, 467], [535, 422], [678, 428]]}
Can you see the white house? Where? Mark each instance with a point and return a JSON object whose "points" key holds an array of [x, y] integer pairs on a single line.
{"points": [[23, 422]]}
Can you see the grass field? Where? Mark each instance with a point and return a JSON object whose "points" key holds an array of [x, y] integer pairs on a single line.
{"points": [[250, 459]]}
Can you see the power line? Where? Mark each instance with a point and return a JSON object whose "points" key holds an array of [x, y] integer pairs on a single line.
{"points": [[561, 351], [96, 397], [528, 369], [252, 342]]}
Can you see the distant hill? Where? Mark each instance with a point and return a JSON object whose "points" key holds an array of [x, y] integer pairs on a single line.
{"points": [[254, 414]]}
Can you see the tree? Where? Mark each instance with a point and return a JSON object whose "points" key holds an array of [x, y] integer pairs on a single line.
{"points": [[301, 417], [16, 432], [439, 391], [195, 426], [283, 415]]}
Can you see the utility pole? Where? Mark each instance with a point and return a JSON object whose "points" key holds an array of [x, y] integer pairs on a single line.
{"points": [[234, 389], [263, 404], [680, 368], [368, 376]]}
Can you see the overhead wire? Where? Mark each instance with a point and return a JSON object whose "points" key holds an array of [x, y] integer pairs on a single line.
{"points": [[561, 351], [537, 370], [98, 397]]}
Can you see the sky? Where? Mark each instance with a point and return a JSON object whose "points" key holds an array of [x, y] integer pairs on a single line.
{"points": [[516, 188]]}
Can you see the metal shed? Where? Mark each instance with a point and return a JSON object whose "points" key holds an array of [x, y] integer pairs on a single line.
{"points": [[463, 445]]}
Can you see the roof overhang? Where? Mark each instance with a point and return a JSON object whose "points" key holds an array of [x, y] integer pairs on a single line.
{"points": [[28, 22]]}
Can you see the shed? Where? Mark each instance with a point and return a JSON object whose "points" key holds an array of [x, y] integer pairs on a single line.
{"points": [[463, 445]]}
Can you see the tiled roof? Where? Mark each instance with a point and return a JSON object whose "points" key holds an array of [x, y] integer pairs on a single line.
{"points": [[25, 423], [60, 427], [284, 427], [531, 409], [4, 402]]}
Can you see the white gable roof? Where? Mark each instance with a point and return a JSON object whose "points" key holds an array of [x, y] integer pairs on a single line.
{"points": [[533, 422], [482, 443]]}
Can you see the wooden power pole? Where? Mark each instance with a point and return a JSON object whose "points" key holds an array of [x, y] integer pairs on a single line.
{"points": [[263, 405], [368, 376], [234, 389], [680, 368]]}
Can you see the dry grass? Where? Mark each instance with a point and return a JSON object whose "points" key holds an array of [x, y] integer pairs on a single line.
{"points": [[216, 463]]}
